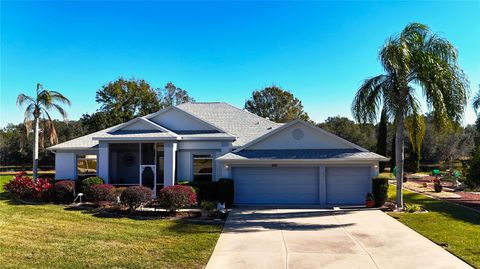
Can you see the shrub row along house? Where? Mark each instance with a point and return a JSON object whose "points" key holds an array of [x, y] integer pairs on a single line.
{"points": [[270, 163]]}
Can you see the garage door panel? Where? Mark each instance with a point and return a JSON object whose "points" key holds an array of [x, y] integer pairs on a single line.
{"points": [[347, 185], [276, 185]]}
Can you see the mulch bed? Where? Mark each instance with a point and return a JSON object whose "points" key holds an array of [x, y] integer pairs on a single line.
{"points": [[468, 199], [113, 211]]}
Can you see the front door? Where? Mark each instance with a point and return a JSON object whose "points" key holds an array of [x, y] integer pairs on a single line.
{"points": [[147, 166], [147, 176]]}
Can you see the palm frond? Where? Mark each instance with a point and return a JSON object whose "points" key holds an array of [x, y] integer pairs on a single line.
{"points": [[60, 98], [368, 99], [50, 130], [476, 101], [28, 117], [416, 130], [61, 111], [444, 84], [22, 99]]}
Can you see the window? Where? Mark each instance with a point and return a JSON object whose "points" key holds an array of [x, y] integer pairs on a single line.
{"points": [[202, 168], [86, 165]]}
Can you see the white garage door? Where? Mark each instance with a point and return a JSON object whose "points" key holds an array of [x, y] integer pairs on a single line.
{"points": [[276, 185], [347, 185]]}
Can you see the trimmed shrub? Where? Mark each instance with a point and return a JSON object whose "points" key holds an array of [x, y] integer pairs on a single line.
{"points": [[412, 208], [120, 190], [43, 190], [64, 191], [175, 197], [22, 187], [380, 190], [103, 192], [225, 191], [89, 182], [135, 196], [205, 190]]}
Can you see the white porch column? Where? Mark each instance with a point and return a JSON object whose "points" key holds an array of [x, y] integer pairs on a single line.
{"points": [[102, 161], [170, 152]]}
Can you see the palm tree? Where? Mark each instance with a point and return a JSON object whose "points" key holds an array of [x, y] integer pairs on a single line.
{"points": [[37, 108], [476, 101], [414, 58]]}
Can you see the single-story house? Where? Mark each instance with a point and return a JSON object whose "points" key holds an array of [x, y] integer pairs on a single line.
{"points": [[270, 163]]}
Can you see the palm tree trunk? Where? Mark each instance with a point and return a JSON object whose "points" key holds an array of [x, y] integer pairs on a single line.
{"points": [[35, 150], [399, 158]]}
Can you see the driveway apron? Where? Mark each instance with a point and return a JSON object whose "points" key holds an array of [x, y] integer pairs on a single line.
{"points": [[323, 238]]}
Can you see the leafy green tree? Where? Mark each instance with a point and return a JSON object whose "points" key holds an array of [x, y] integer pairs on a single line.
{"points": [[473, 173], [96, 121], [382, 138], [37, 108], [415, 57], [276, 104], [476, 107], [123, 100], [170, 95], [362, 135]]}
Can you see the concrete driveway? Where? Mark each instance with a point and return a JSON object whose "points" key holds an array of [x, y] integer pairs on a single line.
{"points": [[321, 238]]}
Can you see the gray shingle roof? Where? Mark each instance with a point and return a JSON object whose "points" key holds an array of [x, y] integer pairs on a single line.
{"points": [[243, 124], [83, 142], [301, 154]]}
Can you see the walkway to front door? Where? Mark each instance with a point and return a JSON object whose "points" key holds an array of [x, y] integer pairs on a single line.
{"points": [[321, 238]]}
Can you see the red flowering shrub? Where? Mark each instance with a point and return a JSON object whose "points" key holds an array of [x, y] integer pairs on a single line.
{"points": [[20, 186], [43, 190], [23, 187], [175, 197], [64, 191], [103, 192], [135, 196]]}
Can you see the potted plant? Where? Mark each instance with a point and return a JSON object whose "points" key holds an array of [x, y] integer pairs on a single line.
{"points": [[437, 186], [369, 201], [208, 209]]}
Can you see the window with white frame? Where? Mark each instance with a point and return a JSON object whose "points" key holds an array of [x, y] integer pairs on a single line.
{"points": [[202, 168], [86, 165]]}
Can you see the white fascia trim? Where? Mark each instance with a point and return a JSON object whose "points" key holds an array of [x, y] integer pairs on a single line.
{"points": [[287, 125], [70, 149], [153, 124], [295, 161], [208, 138], [127, 139]]}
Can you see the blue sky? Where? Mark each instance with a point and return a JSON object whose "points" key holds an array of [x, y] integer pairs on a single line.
{"points": [[217, 51]]}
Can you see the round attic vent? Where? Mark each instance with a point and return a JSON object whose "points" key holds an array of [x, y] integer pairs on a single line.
{"points": [[297, 134]]}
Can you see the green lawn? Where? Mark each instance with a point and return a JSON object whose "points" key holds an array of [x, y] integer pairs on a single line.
{"points": [[47, 236], [452, 226]]}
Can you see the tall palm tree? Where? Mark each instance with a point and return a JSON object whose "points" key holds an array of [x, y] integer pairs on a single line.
{"points": [[36, 112], [415, 57]]}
